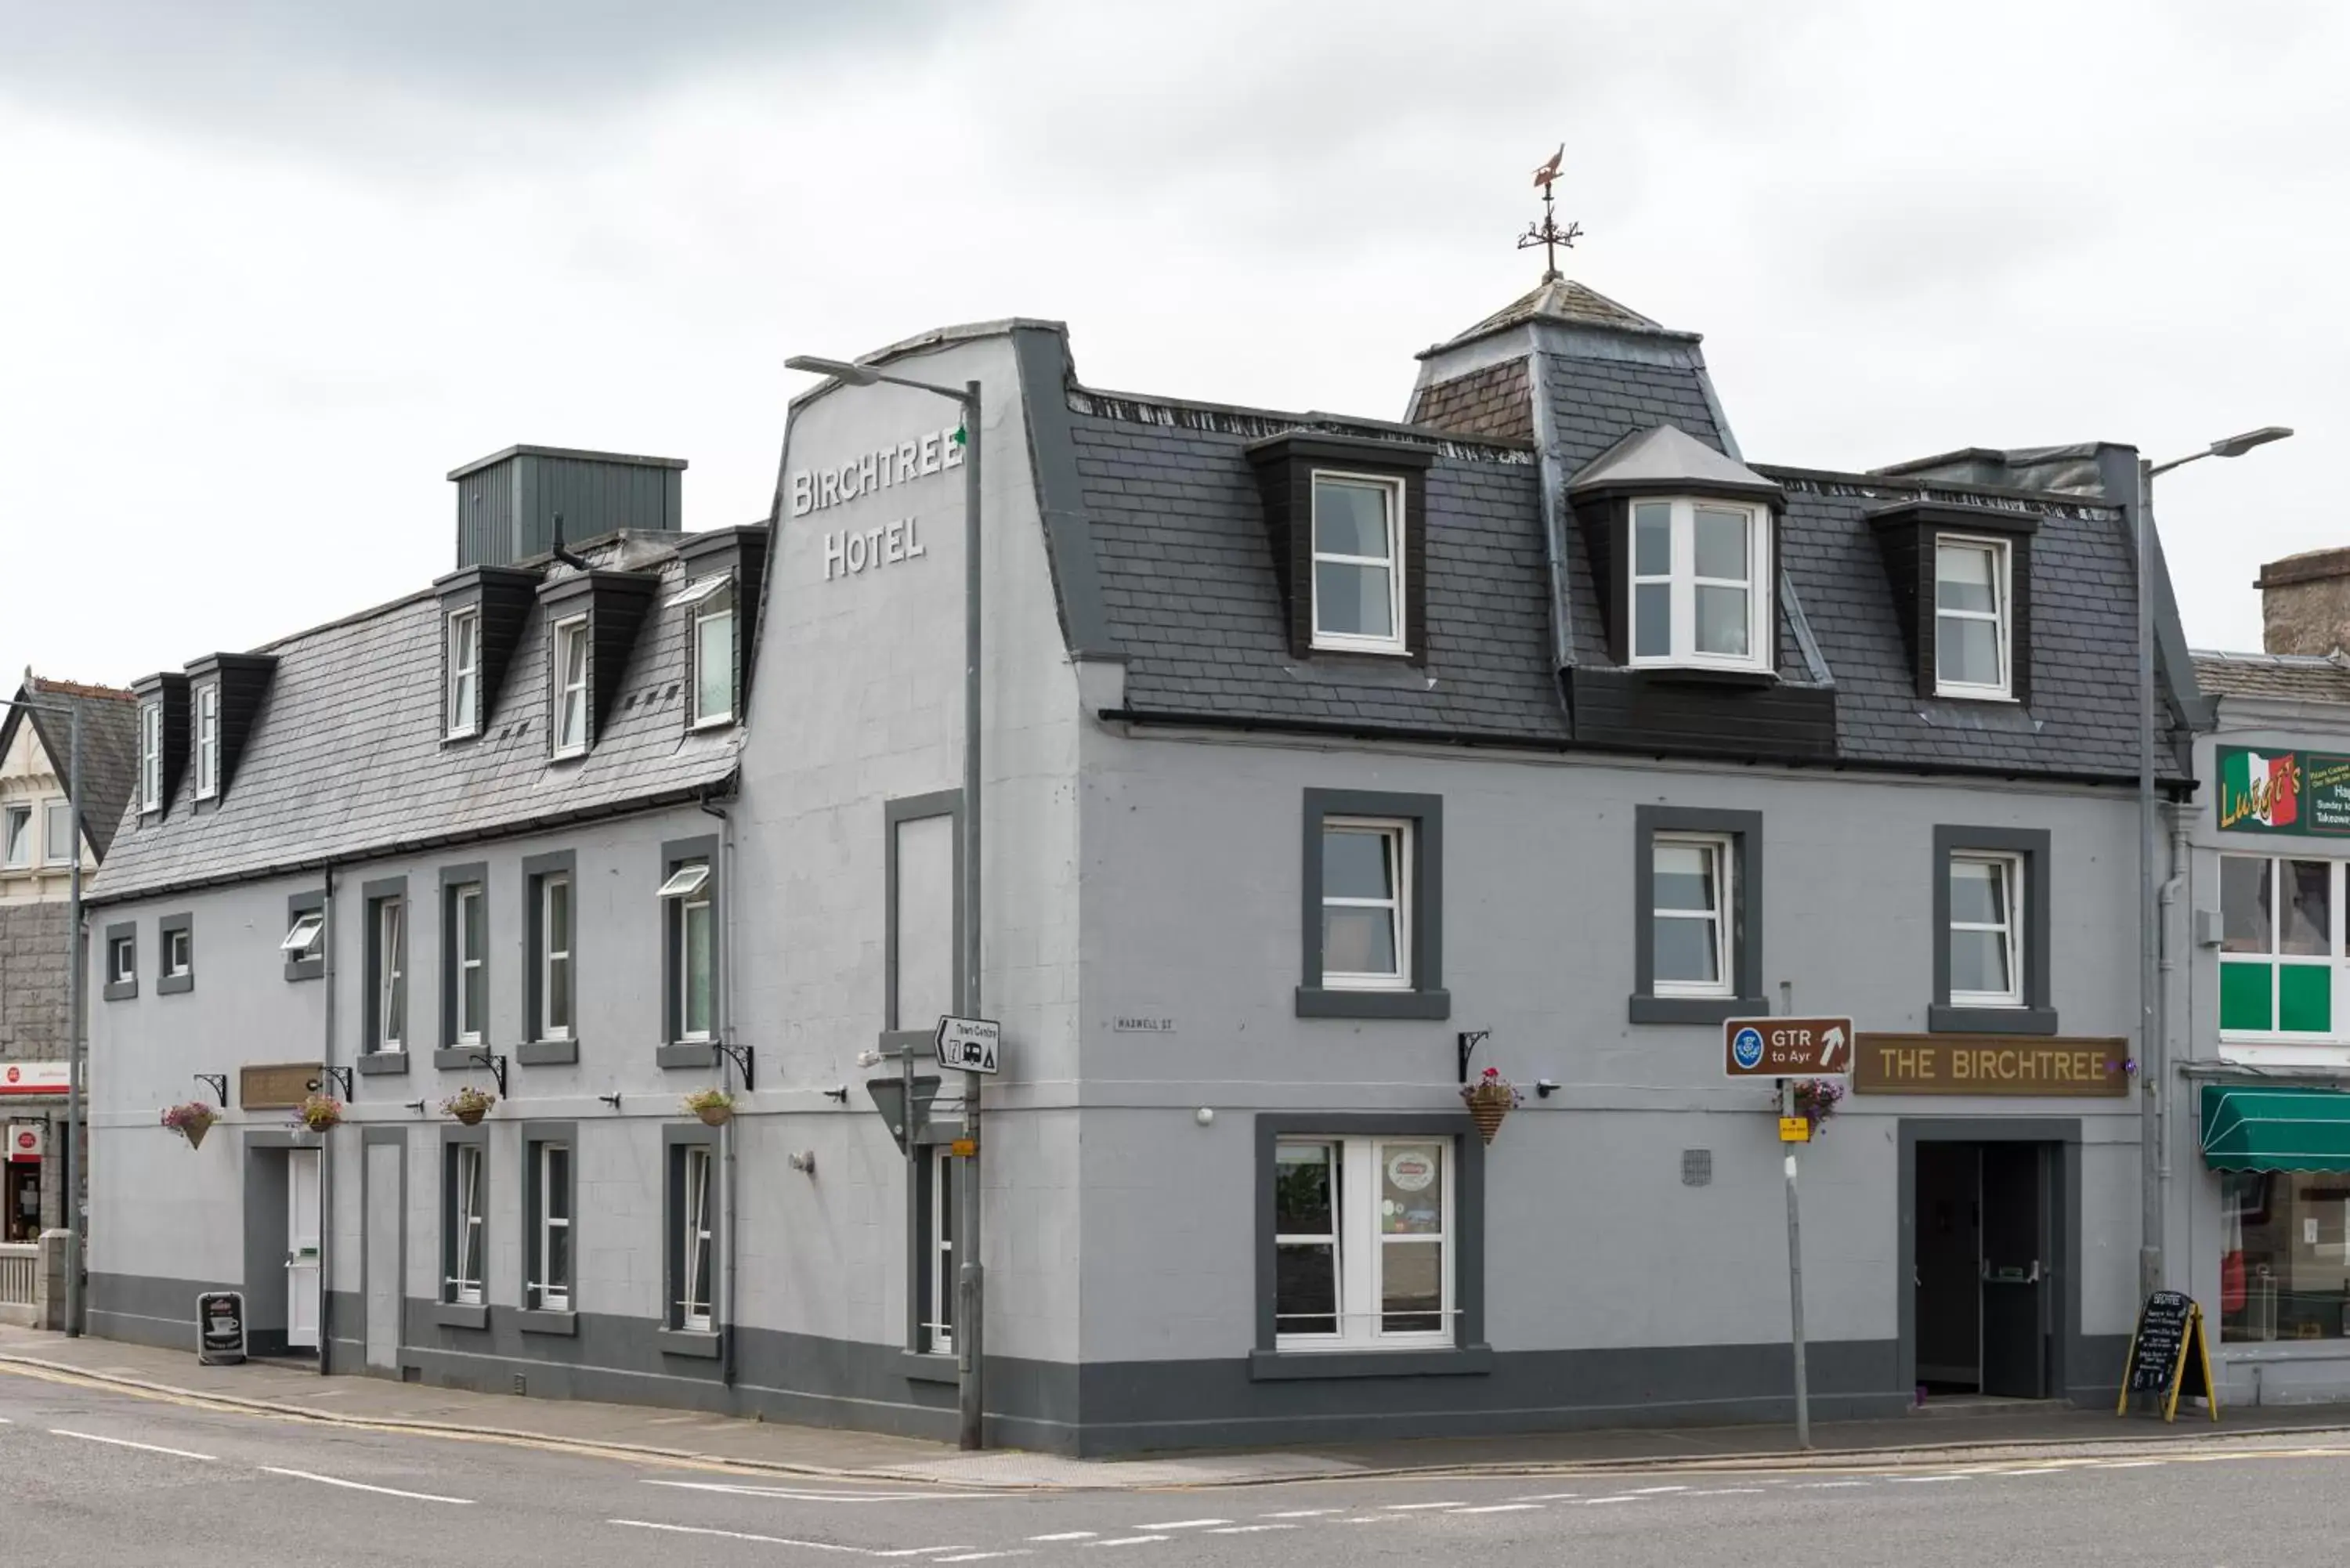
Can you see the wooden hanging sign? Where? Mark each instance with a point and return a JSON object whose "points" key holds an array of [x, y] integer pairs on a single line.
{"points": [[2169, 1355]]}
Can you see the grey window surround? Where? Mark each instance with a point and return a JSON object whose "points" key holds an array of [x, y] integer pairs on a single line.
{"points": [[373, 895], [462, 1314], [473, 873], [535, 1050], [534, 1134], [675, 1339], [383, 1064], [1426, 998], [2038, 1013], [1744, 831], [920, 1366], [673, 1052], [1469, 1354], [945, 803], [174, 984], [296, 906], [565, 1323], [120, 990]]}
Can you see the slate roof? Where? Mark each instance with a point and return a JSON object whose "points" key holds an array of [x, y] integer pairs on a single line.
{"points": [[346, 760], [1189, 591], [109, 747], [2293, 676], [1564, 299]]}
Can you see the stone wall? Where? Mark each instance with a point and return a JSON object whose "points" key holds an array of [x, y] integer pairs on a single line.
{"points": [[34, 994], [2305, 603]]}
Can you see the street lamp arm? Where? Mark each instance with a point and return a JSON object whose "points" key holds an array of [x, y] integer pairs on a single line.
{"points": [[857, 375], [2227, 446]]}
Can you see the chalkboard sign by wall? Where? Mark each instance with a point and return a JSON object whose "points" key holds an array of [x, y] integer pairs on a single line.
{"points": [[2169, 1355], [220, 1328]]}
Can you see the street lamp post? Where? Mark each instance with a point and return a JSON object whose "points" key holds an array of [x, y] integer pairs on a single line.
{"points": [[2152, 1065], [74, 1002], [970, 1274]]}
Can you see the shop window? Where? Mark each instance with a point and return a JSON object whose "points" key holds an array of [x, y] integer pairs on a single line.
{"points": [[2280, 948], [2284, 1256], [1362, 1252]]}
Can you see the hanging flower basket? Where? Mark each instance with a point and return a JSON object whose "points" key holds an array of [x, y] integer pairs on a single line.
{"points": [[1489, 1099], [470, 1105], [714, 1107], [1816, 1100], [190, 1121], [320, 1111]]}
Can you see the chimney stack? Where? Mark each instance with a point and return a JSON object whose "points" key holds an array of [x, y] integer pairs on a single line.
{"points": [[2305, 603]]}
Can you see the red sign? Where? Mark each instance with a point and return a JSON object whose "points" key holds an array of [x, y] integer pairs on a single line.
{"points": [[27, 1141], [34, 1078]]}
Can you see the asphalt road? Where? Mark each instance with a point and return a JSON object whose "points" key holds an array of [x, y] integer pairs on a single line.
{"points": [[93, 1477]]}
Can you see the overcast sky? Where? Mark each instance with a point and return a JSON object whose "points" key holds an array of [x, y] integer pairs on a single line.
{"points": [[272, 267]]}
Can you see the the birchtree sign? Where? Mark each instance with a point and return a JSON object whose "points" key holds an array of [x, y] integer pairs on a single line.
{"points": [[2304, 793]]}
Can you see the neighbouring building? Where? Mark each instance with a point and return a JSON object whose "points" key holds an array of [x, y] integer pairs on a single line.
{"points": [[1328, 760], [2262, 1219], [38, 855]]}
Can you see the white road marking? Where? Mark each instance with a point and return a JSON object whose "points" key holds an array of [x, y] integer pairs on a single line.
{"points": [[1653, 1491], [362, 1486], [2130, 1464], [1597, 1501], [1500, 1508], [1304, 1512], [735, 1535], [1185, 1524], [1822, 1485], [2033, 1470], [127, 1443], [1374, 1519], [1129, 1540], [1548, 1497], [983, 1556], [1729, 1491], [1067, 1535], [803, 1494], [1407, 1507], [1920, 1480], [920, 1550], [1249, 1529]]}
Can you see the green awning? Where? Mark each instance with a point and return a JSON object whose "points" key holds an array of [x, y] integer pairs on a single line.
{"points": [[2261, 1128]]}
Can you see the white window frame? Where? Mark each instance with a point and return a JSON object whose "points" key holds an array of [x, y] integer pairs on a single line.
{"points": [[719, 605], [303, 934], [463, 652], [569, 631], [151, 757], [56, 849], [179, 954], [464, 1211], [1355, 1216], [2000, 617], [1398, 831], [694, 1228], [1722, 850], [1394, 563], [549, 955], [545, 1294], [390, 928], [938, 1332], [2289, 1047], [2013, 870], [697, 900], [1682, 582], [123, 960], [467, 963], [16, 836], [208, 740]]}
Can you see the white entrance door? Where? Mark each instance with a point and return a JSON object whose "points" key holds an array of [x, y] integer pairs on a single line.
{"points": [[302, 1249]]}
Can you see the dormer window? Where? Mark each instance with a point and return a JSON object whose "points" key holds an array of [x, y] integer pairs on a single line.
{"points": [[208, 741], [1698, 596], [1971, 618], [713, 654], [570, 683], [151, 756], [465, 665], [1358, 563]]}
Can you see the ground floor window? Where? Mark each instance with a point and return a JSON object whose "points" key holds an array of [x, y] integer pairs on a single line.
{"points": [[463, 1284], [2284, 1258], [693, 1254], [549, 1286], [1363, 1254]]}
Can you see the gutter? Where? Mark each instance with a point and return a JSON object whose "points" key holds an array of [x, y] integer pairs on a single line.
{"points": [[326, 1155], [727, 1135], [1459, 740]]}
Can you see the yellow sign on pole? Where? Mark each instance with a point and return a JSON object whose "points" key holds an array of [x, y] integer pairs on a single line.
{"points": [[1794, 1129]]}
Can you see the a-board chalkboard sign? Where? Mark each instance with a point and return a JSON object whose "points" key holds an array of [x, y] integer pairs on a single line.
{"points": [[2169, 1355], [220, 1328]]}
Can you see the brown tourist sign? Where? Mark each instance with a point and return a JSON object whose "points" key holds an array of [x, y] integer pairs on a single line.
{"points": [[1991, 1064]]}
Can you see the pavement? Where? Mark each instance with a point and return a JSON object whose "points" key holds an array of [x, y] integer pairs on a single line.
{"points": [[1963, 1430], [100, 1475]]}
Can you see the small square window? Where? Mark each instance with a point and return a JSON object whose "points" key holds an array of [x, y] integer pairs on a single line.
{"points": [[123, 960], [1358, 563], [178, 954], [1971, 631]]}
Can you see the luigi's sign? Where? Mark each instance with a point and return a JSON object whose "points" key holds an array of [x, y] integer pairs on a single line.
{"points": [[2306, 793]]}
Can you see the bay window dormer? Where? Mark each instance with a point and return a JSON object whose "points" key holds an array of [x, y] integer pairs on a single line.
{"points": [[1346, 518]]}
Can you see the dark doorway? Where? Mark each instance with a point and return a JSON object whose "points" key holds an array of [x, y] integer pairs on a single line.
{"points": [[1984, 1268], [20, 1204]]}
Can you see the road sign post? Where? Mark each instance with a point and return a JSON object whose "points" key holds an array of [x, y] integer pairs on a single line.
{"points": [[1786, 1049]]}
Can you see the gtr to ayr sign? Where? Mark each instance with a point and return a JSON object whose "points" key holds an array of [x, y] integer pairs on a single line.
{"points": [[1786, 1047]]}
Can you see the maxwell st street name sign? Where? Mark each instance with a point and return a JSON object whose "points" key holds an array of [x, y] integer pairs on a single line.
{"points": [[1786, 1047], [970, 1044]]}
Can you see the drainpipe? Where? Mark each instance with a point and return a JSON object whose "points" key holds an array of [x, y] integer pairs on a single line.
{"points": [[2178, 1015], [726, 1136], [326, 1163]]}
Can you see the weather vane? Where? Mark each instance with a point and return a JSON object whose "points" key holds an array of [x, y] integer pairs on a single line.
{"points": [[1547, 233]]}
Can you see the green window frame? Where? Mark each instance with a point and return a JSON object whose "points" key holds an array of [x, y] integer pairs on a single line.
{"points": [[2280, 948]]}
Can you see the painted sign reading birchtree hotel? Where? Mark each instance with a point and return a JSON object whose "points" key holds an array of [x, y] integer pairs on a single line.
{"points": [[855, 551], [2306, 793]]}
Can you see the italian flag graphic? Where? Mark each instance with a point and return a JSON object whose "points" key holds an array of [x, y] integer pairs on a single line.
{"points": [[2260, 789]]}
